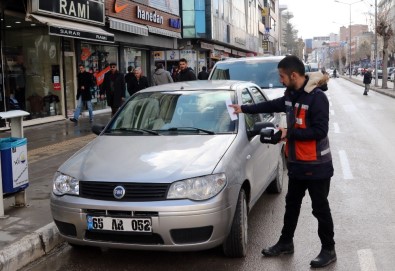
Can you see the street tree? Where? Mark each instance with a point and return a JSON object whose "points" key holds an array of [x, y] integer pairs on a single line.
{"points": [[290, 37], [385, 31], [364, 50]]}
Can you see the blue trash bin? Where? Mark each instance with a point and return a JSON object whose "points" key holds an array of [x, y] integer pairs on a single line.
{"points": [[14, 168]]}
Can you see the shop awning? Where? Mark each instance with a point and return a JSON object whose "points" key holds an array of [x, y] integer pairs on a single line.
{"points": [[73, 29], [128, 27], [164, 32]]}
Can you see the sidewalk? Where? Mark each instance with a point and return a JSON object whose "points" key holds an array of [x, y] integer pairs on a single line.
{"points": [[28, 233], [358, 80]]}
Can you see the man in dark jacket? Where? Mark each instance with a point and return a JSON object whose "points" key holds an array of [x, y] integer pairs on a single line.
{"points": [[367, 79], [129, 77], [161, 76], [203, 75], [138, 82], [186, 73], [114, 88], [84, 84], [308, 155]]}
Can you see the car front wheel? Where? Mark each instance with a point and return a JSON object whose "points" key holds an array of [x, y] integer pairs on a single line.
{"points": [[235, 245]]}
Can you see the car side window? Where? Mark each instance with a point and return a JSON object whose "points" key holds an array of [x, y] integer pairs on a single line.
{"points": [[250, 119], [259, 98]]}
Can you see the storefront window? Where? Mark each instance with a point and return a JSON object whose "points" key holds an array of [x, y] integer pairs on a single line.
{"points": [[31, 69], [96, 59]]}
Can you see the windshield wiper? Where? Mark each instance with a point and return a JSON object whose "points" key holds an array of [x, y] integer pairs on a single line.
{"points": [[191, 128], [135, 130]]}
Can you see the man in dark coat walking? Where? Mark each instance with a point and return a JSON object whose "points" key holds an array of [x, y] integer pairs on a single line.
{"points": [[84, 83], [203, 75], [114, 88], [186, 73], [138, 82], [129, 77], [367, 79]]}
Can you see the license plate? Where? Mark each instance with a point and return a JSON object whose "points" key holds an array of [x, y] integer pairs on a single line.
{"points": [[119, 224]]}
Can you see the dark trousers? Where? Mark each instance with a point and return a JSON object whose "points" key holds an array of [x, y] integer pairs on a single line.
{"points": [[318, 190]]}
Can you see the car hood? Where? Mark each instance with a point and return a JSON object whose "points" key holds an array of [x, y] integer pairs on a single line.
{"points": [[147, 158]]}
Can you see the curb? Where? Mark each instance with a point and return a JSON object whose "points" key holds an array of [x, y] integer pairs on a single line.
{"points": [[30, 248]]}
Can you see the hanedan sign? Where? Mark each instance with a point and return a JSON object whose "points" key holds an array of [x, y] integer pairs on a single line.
{"points": [[90, 11]]}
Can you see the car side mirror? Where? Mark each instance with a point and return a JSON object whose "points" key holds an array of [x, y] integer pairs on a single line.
{"points": [[270, 134], [98, 128], [258, 127]]}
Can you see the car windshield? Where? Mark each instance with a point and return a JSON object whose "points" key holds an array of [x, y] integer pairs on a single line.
{"points": [[175, 113], [262, 73]]}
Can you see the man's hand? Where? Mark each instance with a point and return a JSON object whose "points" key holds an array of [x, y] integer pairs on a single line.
{"points": [[237, 108], [283, 133]]}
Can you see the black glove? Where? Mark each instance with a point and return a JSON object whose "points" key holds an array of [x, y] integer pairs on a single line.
{"points": [[270, 135]]}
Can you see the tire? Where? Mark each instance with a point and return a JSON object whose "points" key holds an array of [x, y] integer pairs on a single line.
{"points": [[276, 186], [235, 245]]}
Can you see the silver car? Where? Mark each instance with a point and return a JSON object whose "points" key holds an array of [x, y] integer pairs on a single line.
{"points": [[173, 170]]}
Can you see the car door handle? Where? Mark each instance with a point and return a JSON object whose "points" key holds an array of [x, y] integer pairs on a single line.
{"points": [[248, 157]]}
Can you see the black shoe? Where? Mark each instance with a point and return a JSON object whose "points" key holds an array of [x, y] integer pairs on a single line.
{"points": [[324, 258], [278, 249], [74, 120], [365, 93]]}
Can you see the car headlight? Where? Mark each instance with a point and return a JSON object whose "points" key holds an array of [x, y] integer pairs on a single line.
{"points": [[64, 184], [200, 188]]}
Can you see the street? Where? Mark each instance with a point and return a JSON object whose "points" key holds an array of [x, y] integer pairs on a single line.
{"points": [[361, 198]]}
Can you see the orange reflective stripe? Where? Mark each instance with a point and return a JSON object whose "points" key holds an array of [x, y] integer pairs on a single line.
{"points": [[306, 150]]}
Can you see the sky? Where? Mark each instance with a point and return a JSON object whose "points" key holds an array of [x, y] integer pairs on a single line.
{"points": [[321, 17]]}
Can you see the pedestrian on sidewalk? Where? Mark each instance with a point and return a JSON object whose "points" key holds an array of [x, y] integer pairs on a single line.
{"points": [[186, 73], [114, 88], [161, 76], [129, 77], [84, 96], [308, 154], [203, 75], [367, 79], [139, 81]]}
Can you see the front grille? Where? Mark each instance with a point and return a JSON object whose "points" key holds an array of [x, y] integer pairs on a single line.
{"points": [[115, 213], [125, 238], [133, 191]]}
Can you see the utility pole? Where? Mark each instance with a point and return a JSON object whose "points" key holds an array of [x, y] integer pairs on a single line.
{"points": [[376, 76]]}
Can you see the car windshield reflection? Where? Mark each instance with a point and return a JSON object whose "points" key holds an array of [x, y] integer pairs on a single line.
{"points": [[175, 113], [264, 74]]}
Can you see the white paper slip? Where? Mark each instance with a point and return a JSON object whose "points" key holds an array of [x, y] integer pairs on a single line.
{"points": [[230, 109]]}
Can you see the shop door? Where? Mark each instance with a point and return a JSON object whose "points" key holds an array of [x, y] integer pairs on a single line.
{"points": [[70, 76]]}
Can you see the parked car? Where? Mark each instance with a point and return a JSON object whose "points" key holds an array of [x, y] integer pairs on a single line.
{"points": [[173, 170], [392, 77], [390, 71], [260, 70]]}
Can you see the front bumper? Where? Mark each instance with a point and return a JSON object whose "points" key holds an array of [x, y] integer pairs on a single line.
{"points": [[177, 225]]}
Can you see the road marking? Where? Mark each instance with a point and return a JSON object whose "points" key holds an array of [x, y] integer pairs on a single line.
{"points": [[330, 104], [349, 108], [347, 174], [366, 260], [336, 128], [332, 112]]}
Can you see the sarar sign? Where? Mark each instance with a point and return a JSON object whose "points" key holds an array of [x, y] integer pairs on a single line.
{"points": [[91, 11]]}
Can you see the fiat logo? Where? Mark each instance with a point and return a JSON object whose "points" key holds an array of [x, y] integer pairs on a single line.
{"points": [[119, 192]]}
